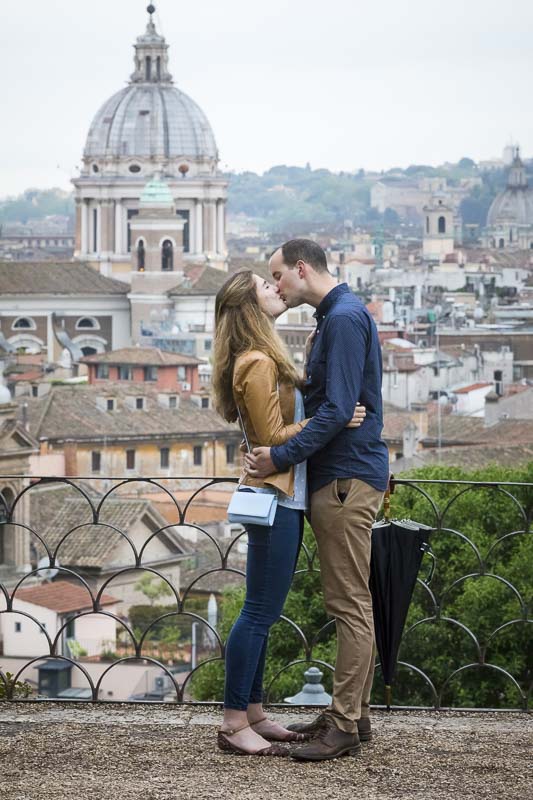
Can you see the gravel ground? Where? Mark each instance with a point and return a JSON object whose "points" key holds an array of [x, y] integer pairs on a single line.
{"points": [[54, 751]]}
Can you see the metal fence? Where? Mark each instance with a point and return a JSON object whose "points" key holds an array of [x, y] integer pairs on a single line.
{"points": [[442, 650]]}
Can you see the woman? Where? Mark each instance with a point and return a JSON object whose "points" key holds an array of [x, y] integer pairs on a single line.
{"points": [[253, 371]]}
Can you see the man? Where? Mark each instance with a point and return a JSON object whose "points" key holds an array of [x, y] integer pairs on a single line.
{"points": [[348, 472]]}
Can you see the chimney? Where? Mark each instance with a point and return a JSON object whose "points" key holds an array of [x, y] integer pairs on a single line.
{"points": [[70, 451]]}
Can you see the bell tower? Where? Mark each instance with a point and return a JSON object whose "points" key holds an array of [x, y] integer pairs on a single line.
{"points": [[438, 230]]}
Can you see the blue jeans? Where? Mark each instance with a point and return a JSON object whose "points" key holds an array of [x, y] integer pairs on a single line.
{"points": [[272, 556]]}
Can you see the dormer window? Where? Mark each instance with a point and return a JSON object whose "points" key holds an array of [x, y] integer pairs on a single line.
{"points": [[134, 168], [24, 323]]}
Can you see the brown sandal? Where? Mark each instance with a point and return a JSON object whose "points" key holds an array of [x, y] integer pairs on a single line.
{"points": [[228, 747], [291, 737]]}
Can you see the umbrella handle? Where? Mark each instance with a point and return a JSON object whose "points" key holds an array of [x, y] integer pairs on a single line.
{"points": [[388, 696], [386, 498]]}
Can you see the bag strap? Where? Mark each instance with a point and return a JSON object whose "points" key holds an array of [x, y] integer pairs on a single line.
{"points": [[243, 429]]}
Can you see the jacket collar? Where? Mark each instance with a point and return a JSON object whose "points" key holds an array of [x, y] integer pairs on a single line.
{"points": [[330, 299]]}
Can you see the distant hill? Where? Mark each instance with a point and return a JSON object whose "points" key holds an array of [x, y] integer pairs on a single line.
{"points": [[295, 199], [35, 205]]}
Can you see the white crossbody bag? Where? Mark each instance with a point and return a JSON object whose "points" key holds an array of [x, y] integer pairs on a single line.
{"points": [[248, 507]]}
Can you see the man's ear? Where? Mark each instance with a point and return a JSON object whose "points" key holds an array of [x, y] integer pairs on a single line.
{"points": [[301, 268]]}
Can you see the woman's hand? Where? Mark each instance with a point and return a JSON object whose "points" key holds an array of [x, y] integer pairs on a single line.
{"points": [[358, 418]]}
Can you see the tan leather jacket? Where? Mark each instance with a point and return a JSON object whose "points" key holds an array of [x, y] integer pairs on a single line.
{"points": [[267, 412]]}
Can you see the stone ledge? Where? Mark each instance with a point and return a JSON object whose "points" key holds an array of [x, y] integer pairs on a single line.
{"points": [[58, 751]]}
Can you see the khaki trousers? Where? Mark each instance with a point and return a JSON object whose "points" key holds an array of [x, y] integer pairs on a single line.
{"points": [[343, 527]]}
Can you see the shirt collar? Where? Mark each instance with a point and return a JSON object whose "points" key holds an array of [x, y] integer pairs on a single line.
{"points": [[330, 299]]}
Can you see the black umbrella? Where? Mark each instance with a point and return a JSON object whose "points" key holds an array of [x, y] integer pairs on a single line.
{"points": [[397, 550]]}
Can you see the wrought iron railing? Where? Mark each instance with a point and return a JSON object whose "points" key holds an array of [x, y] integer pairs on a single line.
{"points": [[448, 643]]}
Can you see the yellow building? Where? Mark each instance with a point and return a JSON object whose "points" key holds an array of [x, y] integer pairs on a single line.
{"points": [[134, 431]]}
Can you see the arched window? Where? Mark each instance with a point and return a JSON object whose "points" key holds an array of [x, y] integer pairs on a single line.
{"points": [[510, 236], [85, 323], [167, 256], [148, 63], [24, 323], [501, 244], [140, 256], [89, 351], [427, 224], [442, 224]]}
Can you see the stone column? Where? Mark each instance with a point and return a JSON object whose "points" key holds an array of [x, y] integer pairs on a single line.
{"points": [[198, 227], [77, 241], [105, 228], [99, 228], [210, 226], [213, 228], [119, 214], [84, 227], [221, 239]]}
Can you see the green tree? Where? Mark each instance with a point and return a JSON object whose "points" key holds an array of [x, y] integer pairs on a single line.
{"points": [[151, 588], [479, 534]]}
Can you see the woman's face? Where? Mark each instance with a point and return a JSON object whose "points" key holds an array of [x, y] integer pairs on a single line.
{"points": [[268, 298]]}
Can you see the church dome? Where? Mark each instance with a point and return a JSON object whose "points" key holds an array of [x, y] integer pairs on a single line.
{"points": [[515, 204], [150, 118]]}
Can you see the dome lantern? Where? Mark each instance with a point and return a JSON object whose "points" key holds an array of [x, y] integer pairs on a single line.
{"points": [[151, 56]]}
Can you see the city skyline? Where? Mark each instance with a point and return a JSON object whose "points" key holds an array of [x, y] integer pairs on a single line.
{"points": [[428, 90]]}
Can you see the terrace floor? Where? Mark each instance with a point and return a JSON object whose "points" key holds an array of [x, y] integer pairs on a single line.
{"points": [[58, 751]]}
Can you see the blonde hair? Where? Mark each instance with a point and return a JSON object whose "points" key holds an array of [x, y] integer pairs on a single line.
{"points": [[241, 326]]}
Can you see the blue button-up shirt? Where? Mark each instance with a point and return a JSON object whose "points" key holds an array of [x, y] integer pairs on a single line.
{"points": [[344, 367]]}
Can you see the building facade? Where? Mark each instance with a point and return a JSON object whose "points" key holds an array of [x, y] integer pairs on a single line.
{"points": [[149, 127]]}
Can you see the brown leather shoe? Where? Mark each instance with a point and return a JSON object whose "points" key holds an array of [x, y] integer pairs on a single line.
{"points": [[363, 727], [330, 742]]}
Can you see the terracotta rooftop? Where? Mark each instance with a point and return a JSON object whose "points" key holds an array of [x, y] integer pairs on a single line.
{"points": [[71, 411], [471, 388], [209, 281], [56, 510], [37, 277], [142, 356], [61, 596]]}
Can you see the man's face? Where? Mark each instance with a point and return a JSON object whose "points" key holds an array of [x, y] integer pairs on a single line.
{"points": [[289, 281]]}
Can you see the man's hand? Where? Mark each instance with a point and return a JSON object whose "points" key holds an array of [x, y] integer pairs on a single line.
{"points": [[258, 463], [358, 418]]}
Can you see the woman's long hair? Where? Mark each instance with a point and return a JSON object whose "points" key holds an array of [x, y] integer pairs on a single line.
{"points": [[241, 326]]}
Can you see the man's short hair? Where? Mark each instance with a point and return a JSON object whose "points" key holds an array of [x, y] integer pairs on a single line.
{"points": [[304, 250]]}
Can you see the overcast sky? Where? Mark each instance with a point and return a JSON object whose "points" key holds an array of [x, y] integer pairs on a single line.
{"points": [[342, 84]]}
